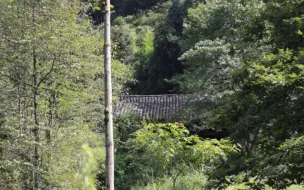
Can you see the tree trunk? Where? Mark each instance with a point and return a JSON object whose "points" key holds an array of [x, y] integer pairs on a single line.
{"points": [[52, 101], [20, 108], [37, 156], [108, 120], [36, 125]]}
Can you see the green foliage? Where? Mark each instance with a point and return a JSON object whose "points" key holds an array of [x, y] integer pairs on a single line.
{"points": [[91, 166], [169, 149], [148, 152], [280, 69], [285, 19], [191, 180], [75, 155], [128, 7], [285, 167], [244, 60], [171, 145], [58, 37], [134, 42], [125, 167], [214, 43], [164, 62], [124, 41]]}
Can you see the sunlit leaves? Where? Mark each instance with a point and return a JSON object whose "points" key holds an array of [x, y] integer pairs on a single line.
{"points": [[282, 68], [172, 145]]}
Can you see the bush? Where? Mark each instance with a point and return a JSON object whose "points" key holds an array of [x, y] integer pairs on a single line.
{"points": [[159, 150], [192, 180]]}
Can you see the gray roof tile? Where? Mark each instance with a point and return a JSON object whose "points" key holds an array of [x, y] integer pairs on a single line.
{"points": [[151, 107]]}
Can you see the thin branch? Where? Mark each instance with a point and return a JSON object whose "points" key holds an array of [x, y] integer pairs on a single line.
{"points": [[20, 66], [50, 71], [47, 74], [20, 81]]}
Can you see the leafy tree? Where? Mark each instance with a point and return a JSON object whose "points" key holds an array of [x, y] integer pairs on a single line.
{"points": [[159, 149], [124, 37], [248, 80], [164, 62], [50, 58]]}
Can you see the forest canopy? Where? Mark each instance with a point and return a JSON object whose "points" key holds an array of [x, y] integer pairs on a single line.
{"points": [[241, 60]]}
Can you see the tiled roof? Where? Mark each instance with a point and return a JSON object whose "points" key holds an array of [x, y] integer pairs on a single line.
{"points": [[151, 107]]}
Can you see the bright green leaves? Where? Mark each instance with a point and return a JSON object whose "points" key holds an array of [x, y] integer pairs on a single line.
{"points": [[282, 68], [287, 19], [96, 4], [215, 42], [124, 41], [93, 156], [73, 157], [166, 149], [292, 143], [163, 141], [171, 144], [68, 53], [245, 60], [205, 61]]}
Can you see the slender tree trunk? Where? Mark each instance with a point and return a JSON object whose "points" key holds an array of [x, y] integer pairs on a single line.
{"points": [[52, 101], [108, 120], [25, 109], [37, 156], [20, 92], [36, 126], [20, 108], [22, 103]]}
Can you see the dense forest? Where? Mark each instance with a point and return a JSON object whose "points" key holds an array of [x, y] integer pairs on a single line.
{"points": [[242, 62]]}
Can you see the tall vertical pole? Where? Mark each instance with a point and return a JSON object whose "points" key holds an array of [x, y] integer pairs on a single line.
{"points": [[108, 120]]}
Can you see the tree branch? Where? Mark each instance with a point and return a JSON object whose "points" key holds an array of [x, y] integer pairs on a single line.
{"points": [[48, 73]]}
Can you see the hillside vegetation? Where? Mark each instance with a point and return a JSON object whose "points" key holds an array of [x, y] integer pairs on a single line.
{"points": [[243, 61]]}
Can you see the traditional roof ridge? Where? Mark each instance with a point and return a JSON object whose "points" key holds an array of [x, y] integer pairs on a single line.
{"points": [[151, 95], [152, 107]]}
